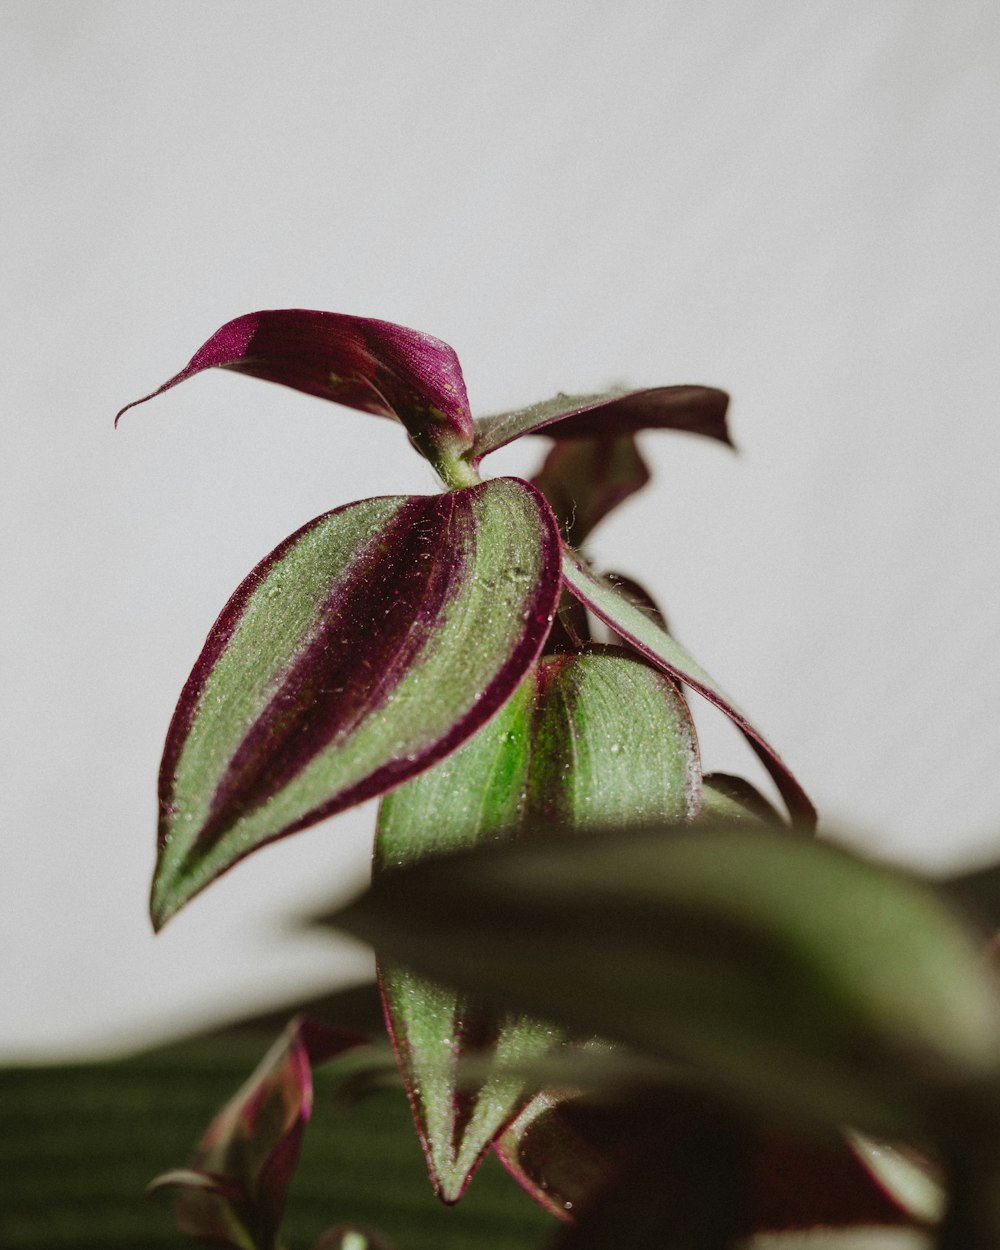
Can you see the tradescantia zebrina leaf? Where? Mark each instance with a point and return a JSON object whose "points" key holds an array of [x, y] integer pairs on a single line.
{"points": [[587, 739], [234, 1193], [694, 409], [642, 632], [586, 478], [367, 646], [375, 366], [786, 971]]}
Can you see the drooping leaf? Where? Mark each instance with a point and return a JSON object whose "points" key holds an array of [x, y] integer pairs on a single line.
{"points": [[374, 366], [642, 632], [694, 409], [586, 478], [367, 646], [235, 1190], [787, 971], [592, 738]]}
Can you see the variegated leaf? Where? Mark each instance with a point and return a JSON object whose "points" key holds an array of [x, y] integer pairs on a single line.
{"points": [[642, 632], [235, 1190], [366, 647], [592, 738], [781, 968]]}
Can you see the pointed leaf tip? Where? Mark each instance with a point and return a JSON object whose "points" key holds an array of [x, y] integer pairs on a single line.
{"points": [[373, 366], [366, 647]]}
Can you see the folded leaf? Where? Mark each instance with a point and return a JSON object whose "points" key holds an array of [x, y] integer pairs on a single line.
{"points": [[588, 738], [787, 971], [694, 409], [374, 366], [367, 646], [235, 1191], [639, 629]]}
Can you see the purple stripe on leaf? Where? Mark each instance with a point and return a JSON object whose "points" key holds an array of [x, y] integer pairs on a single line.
{"points": [[364, 649]]}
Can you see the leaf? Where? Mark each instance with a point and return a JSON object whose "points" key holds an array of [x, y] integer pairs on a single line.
{"points": [[587, 738], [637, 627], [726, 797], [788, 972], [573, 1152], [366, 647], [235, 1191], [585, 479], [693, 409], [374, 366]]}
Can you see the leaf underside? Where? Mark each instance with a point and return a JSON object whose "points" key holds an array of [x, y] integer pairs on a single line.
{"points": [[693, 409], [374, 366]]}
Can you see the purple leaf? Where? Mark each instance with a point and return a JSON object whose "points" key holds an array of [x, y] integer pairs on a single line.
{"points": [[584, 479], [374, 366], [694, 409], [643, 633], [236, 1188]]}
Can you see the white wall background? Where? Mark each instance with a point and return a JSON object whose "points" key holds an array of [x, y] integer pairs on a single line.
{"points": [[797, 200]]}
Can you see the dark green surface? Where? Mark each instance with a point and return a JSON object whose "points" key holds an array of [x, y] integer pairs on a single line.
{"points": [[80, 1143]]}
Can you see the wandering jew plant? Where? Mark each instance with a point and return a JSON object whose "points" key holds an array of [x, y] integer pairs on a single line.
{"points": [[552, 866]]}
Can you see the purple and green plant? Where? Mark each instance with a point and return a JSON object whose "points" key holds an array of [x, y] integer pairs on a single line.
{"points": [[458, 655]]}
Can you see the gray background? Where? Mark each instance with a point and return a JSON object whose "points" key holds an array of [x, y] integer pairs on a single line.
{"points": [[796, 200]]}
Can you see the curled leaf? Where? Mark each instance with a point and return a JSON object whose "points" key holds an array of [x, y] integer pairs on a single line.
{"points": [[375, 366], [639, 629], [367, 646], [236, 1188], [694, 409]]}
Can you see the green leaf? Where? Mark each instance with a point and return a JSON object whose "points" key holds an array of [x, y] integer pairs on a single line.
{"points": [[726, 797], [362, 650], [639, 629], [586, 739], [789, 972]]}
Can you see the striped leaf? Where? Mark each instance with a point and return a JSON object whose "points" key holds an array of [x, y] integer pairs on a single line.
{"points": [[366, 647], [637, 627], [592, 738], [782, 969], [573, 1153], [694, 409], [235, 1190], [374, 366]]}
